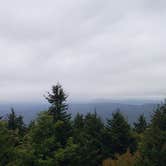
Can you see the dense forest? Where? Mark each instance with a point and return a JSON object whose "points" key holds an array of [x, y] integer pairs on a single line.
{"points": [[56, 139]]}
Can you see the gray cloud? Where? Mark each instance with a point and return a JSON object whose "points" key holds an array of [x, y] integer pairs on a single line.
{"points": [[96, 49]]}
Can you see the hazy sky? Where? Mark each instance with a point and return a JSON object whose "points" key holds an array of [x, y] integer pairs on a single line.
{"points": [[94, 48]]}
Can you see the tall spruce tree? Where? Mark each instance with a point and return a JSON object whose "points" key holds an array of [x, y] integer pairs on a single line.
{"points": [[58, 111], [57, 99]]}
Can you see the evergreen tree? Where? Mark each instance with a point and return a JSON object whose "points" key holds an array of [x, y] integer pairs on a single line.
{"points": [[43, 138], [78, 127], [7, 144], [153, 145], [159, 117], [16, 122], [12, 124], [67, 156], [78, 122], [88, 133], [119, 134], [58, 110], [58, 107], [46, 140], [141, 125]]}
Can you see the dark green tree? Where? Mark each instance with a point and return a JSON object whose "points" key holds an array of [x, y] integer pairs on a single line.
{"points": [[78, 127], [43, 139], [153, 146], [12, 123], [7, 144], [78, 122], [46, 139], [16, 122], [141, 125], [51, 133], [58, 108], [88, 133], [159, 117], [67, 156], [119, 134]]}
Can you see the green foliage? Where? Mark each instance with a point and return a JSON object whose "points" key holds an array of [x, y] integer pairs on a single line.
{"points": [[46, 142], [78, 122], [42, 137], [58, 111], [88, 133], [159, 117], [57, 99], [153, 145], [7, 143], [141, 125], [53, 139], [67, 155], [119, 133], [23, 155], [16, 122], [12, 125]]}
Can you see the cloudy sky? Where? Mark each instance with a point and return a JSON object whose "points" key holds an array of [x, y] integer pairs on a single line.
{"points": [[95, 49]]}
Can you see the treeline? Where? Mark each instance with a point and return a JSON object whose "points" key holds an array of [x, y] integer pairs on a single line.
{"points": [[54, 139]]}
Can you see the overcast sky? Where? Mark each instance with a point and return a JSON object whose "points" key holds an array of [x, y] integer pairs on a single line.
{"points": [[96, 49]]}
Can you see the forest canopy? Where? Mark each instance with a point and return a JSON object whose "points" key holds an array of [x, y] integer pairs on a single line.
{"points": [[56, 139]]}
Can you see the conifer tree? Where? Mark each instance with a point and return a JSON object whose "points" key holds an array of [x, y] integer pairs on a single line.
{"points": [[7, 142], [141, 125], [78, 122], [119, 133], [12, 124], [58, 108], [16, 122], [153, 145], [88, 132], [58, 111]]}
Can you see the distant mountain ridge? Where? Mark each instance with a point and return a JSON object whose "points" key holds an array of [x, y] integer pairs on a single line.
{"points": [[104, 109]]}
